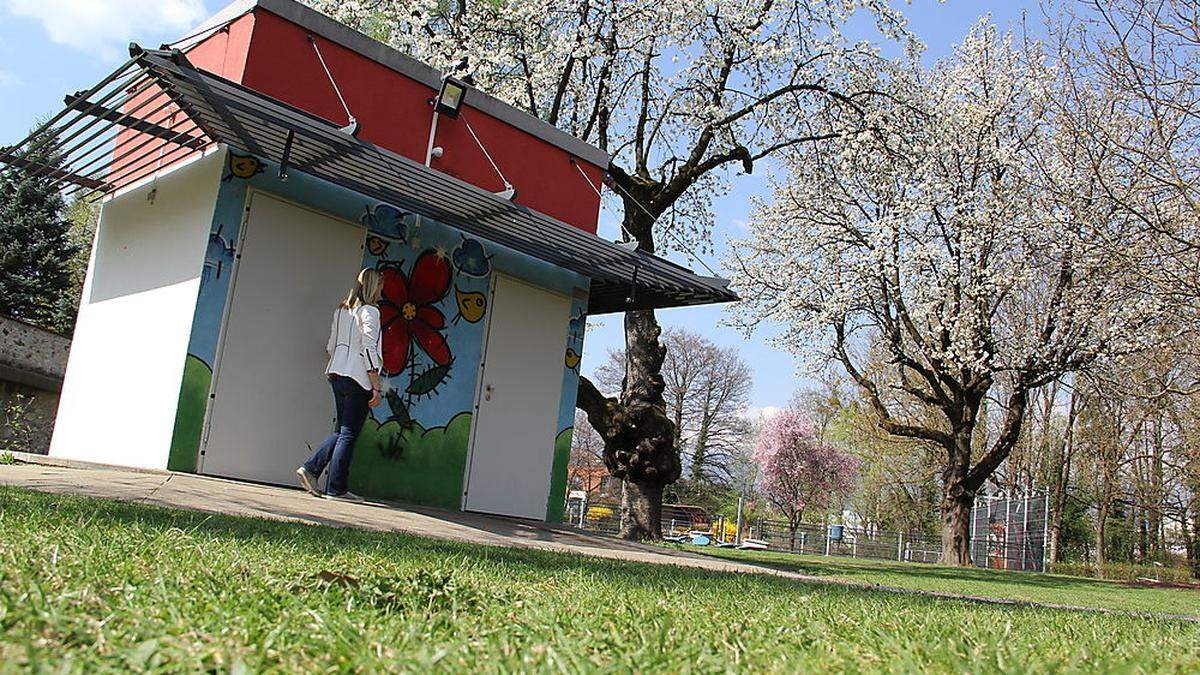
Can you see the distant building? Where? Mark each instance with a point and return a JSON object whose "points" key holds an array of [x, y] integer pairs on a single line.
{"points": [[594, 480]]}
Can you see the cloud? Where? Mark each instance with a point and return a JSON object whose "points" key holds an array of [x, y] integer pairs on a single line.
{"points": [[761, 414], [104, 27]]}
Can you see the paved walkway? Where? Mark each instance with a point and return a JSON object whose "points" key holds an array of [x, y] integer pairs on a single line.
{"points": [[217, 495]]}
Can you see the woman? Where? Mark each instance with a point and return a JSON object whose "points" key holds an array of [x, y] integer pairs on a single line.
{"points": [[353, 372]]}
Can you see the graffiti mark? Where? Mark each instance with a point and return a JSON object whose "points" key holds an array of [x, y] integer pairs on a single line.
{"points": [[398, 409], [572, 359], [576, 329], [217, 256]]}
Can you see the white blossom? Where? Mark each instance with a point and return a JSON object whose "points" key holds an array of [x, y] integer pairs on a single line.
{"points": [[967, 230]]}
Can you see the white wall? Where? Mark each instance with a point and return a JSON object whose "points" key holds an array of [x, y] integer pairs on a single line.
{"points": [[123, 376]]}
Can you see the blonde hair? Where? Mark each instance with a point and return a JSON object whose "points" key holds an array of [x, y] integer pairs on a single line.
{"points": [[366, 290]]}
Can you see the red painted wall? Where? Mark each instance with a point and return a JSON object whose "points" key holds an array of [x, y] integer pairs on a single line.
{"points": [[224, 52], [136, 155], [272, 55]]}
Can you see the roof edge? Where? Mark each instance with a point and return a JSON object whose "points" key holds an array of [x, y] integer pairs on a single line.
{"points": [[331, 29]]}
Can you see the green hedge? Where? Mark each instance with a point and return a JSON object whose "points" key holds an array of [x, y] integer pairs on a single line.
{"points": [[1172, 573]]}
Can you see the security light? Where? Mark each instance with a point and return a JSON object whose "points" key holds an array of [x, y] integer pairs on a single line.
{"points": [[450, 98]]}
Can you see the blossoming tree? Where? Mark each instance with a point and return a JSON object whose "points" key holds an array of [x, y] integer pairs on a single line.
{"points": [[961, 249], [797, 471], [681, 93]]}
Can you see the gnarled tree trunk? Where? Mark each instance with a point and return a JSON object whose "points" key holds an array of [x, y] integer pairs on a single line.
{"points": [[639, 437], [641, 510]]}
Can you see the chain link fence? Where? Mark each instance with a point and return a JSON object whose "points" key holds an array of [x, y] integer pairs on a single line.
{"points": [[1006, 533]]}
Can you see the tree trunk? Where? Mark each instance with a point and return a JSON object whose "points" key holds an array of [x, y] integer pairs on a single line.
{"points": [[957, 499], [1062, 479], [1194, 549], [956, 530], [1158, 495], [700, 455], [793, 525], [639, 437], [1142, 551], [641, 510], [1101, 530], [1058, 502], [1055, 552]]}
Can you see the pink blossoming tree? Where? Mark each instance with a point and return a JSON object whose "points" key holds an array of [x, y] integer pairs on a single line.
{"points": [[798, 472]]}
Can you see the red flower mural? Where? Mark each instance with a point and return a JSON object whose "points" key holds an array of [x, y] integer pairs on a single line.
{"points": [[408, 314]]}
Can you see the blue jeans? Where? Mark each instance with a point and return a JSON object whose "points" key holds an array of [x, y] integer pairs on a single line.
{"points": [[350, 401]]}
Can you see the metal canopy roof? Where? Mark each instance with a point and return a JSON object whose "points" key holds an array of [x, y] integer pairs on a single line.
{"points": [[124, 129]]}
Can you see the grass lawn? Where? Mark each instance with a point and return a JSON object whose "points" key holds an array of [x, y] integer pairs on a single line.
{"points": [[1047, 588], [90, 585]]}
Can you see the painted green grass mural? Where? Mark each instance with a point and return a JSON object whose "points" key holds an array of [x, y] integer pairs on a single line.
{"points": [[556, 502], [189, 419], [410, 463]]}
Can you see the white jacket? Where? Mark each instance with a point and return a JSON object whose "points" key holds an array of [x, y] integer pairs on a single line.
{"points": [[354, 344]]}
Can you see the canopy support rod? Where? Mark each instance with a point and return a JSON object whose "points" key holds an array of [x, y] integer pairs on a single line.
{"points": [[287, 154]]}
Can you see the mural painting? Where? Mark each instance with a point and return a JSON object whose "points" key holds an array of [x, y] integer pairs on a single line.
{"points": [[413, 446]]}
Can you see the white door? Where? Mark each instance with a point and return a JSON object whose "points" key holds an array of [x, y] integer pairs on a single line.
{"points": [[271, 399], [520, 387]]}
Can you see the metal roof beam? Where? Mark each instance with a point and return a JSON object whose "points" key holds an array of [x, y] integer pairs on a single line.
{"points": [[47, 171], [79, 102]]}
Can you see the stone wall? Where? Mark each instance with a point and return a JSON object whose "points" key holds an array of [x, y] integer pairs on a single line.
{"points": [[32, 363]]}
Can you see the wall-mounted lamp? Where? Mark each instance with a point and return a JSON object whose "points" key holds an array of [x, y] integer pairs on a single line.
{"points": [[450, 98], [448, 102]]}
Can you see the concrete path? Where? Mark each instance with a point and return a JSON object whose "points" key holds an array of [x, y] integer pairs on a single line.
{"points": [[217, 495]]}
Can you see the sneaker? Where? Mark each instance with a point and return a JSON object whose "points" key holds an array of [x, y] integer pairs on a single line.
{"points": [[308, 482], [345, 497]]}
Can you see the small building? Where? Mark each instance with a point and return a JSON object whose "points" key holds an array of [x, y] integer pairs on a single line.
{"points": [[247, 172]]}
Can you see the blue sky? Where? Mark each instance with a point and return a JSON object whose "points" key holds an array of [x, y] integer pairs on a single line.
{"points": [[49, 48]]}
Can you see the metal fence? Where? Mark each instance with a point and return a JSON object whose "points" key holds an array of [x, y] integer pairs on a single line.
{"points": [[1006, 533], [1010, 532]]}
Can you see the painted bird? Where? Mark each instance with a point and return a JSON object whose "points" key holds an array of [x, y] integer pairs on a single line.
{"points": [[572, 359], [471, 305], [243, 166]]}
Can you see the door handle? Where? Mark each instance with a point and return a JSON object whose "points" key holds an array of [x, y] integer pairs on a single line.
{"points": [[487, 392]]}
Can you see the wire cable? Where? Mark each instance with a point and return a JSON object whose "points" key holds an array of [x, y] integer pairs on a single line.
{"points": [[585, 177], [313, 42], [495, 168], [682, 247]]}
